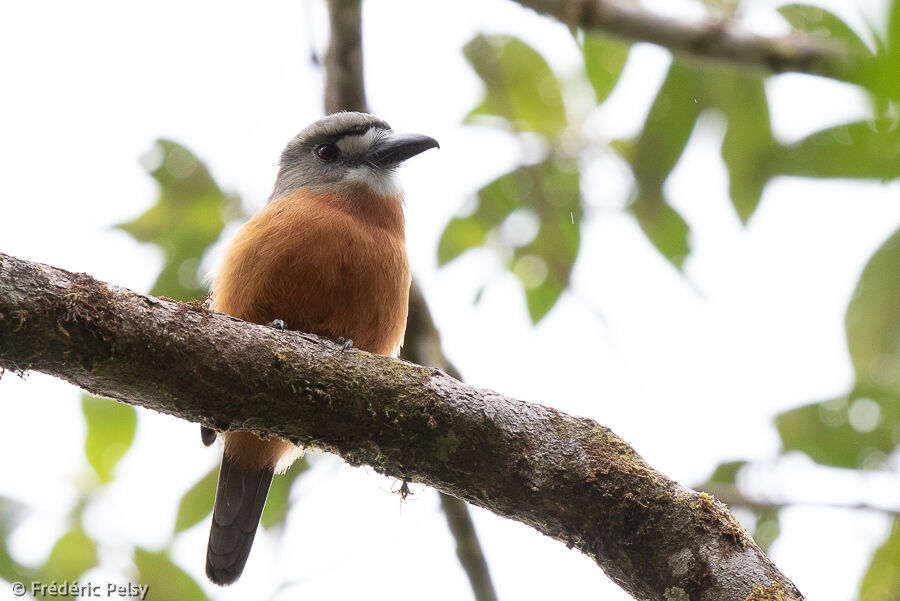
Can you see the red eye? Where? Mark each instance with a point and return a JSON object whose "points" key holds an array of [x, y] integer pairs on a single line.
{"points": [[327, 152]]}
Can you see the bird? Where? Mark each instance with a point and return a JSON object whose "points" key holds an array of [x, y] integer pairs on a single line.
{"points": [[326, 255]]}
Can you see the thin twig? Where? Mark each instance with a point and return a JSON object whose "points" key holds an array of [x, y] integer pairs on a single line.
{"points": [[734, 497]]}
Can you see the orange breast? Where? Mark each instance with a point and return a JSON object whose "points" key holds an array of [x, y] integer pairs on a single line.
{"points": [[333, 265]]}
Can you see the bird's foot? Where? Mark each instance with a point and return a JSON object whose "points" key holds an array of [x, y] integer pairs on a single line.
{"points": [[277, 324], [207, 435], [344, 343]]}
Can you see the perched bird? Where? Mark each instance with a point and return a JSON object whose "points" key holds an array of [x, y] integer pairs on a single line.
{"points": [[326, 255]]}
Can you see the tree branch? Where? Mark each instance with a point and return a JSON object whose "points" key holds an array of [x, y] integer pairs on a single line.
{"points": [[566, 476], [423, 346], [344, 86], [345, 91], [732, 496], [713, 39]]}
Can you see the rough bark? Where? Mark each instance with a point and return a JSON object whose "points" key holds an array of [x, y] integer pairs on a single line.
{"points": [[711, 39], [569, 477]]}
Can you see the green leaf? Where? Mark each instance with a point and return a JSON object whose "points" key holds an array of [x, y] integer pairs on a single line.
{"points": [[187, 218], [663, 226], [110, 432], [278, 502], [11, 514], [551, 191], [166, 580], [892, 59], [668, 127], [843, 432], [767, 528], [748, 147], [882, 579], [545, 264], [197, 502], [604, 59], [726, 473], [863, 149], [664, 136], [873, 323], [519, 85], [820, 22], [459, 235], [72, 555]]}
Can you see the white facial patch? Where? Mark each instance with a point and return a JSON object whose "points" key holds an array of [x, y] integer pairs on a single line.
{"points": [[380, 182], [358, 144]]}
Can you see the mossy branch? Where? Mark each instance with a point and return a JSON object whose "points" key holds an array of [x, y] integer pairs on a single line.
{"points": [[569, 477]]}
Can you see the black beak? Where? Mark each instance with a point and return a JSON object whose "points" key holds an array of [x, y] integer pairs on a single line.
{"points": [[392, 149]]}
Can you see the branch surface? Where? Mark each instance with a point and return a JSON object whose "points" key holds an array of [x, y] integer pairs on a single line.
{"points": [[569, 477], [714, 39]]}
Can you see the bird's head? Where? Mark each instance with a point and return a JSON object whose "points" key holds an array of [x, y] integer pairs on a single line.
{"points": [[346, 149]]}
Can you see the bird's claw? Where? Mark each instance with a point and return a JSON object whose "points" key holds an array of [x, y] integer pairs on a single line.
{"points": [[277, 324], [344, 343]]}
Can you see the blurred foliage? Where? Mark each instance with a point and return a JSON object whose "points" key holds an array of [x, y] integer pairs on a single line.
{"points": [[165, 579], [546, 193], [604, 60], [11, 514], [110, 432], [821, 23], [523, 96], [521, 89], [72, 555], [521, 215], [882, 579], [186, 219], [278, 502], [530, 216], [197, 502]]}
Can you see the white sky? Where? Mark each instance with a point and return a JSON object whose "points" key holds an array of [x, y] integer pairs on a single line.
{"points": [[689, 370]]}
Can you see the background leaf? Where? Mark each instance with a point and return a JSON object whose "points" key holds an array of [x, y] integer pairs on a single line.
{"points": [[187, 218], [882, 579], [665, 134], [519, 85], [663, 226], [748, 147], [822, 23], [862, 149], [11, 513], [550, 192], [604, 60], [873, 323], [166, 580], [110, 432], [843, 432], [278, 502], [72, 555], [197, 502]]}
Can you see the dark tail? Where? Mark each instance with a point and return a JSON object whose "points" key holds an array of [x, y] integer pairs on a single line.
{"points": [[240, 498]]}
